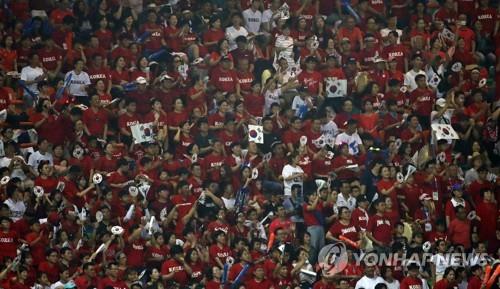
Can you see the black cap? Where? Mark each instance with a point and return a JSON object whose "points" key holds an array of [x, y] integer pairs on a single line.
{"points": [[412, 266], [361, 198]]}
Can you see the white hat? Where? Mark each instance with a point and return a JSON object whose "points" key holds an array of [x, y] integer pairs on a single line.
{"points": [[141, 80]]}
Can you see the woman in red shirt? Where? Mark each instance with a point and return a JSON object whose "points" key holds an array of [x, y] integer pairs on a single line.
{"points": [[141, 69], [197, 265], [120, 75], [448, 280], [46, 178], [177, 116], [44, 120], [197, 97], [103, 93], [8, 56], [172, 33], [159, 119], [104, 35], [388, 187], [301, 33], [215, 34], [369, 120]]}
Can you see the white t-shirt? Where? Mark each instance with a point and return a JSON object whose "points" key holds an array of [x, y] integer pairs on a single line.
{"points": [[288, 171], [267, 16], [29, 73], [368, 283], [253, 20], [410, 79], [330, 128], [36, 157], [286, 42], [229, 203], [350, 202], [441, 262], [78, 83], [270, 98], [17, 209], [393, 285], [232, 34], [297, 104], [353, 141]]}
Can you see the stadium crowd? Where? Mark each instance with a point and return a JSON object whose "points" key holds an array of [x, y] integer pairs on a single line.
{"points": [[222, 144]]}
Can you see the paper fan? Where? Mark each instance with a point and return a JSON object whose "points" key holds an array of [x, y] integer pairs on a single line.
{"points": [[117, 230], [97, 178], [38, 191], [456, 67]]}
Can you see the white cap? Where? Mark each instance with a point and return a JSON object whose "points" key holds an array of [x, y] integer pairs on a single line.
{"points": [[141, 80]]}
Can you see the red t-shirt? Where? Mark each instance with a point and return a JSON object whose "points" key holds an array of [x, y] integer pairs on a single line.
{"points": [[349, 231], [254, 104], [50, 269], [310, 218], [49, 58], [118, 284], [153, 42], [99, 73], [360, 218], [487, 17], [105, 38], [381, 228], [8, 241], [397, 51], [117, 77], [311, 80], [459, 232], [221, 253], [424, 98], [224, 80], [95, 121], [254, 284], [125, 121], [411, 283]]}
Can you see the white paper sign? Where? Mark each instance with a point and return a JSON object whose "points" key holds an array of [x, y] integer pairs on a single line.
{"points": [[142, 132], [444, 131], [336, 87], [255, 133]]}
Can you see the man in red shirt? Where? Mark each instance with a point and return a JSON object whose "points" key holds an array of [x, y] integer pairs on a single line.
{"points": [[422, 100], [258, 281], [447, 13], [8, 239], [379, 228], [176, 269], [223, 78], [51, 58], [475, 280], [214, 161], [219, 251], [50, 266], [155, 40], [412, 281], [487, 15], [112, 279], [123, 49], [396, 51], [460, 229], [311, 78], [97, 71], [88, 278], [95, 118], [128, 119]]}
